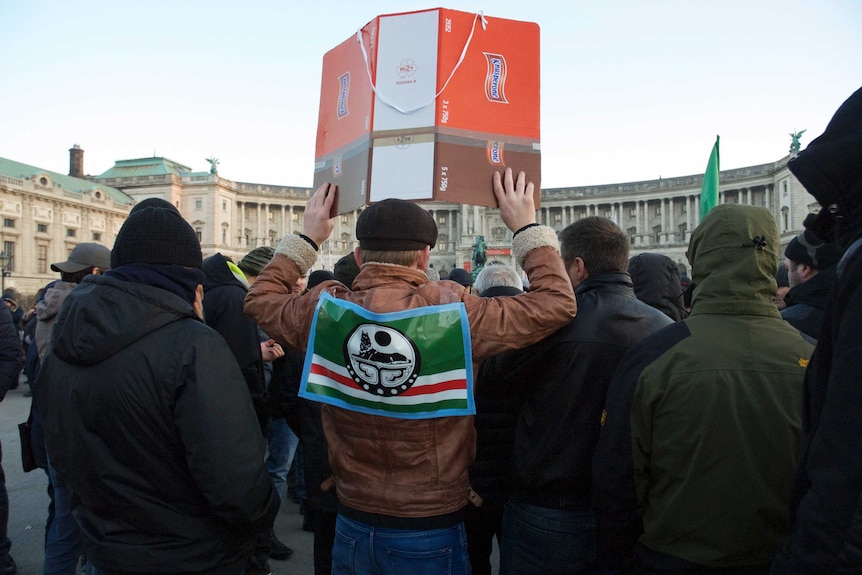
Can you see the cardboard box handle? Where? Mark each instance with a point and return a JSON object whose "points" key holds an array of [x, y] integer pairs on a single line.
{"points": [[479, 16]]}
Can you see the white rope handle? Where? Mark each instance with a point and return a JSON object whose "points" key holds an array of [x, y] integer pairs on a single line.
{"points": [[479, 16]]}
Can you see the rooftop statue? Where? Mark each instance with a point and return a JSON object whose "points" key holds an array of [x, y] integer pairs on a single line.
{"points": [[213, 165], [794, 144]]}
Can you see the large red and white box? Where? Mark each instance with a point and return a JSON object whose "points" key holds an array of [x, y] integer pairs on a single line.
{"points": [[404, 115]]}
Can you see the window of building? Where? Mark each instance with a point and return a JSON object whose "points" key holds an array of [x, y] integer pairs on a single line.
{"points": [[97, 237], [8, 223], [441, 220], [199, 204], [632, 232], [9, 250], [295, 216], [42, 228], [344, 220], [71, 232], [41, 259], [199, 232], [224, 205], [224, 235], [658, 210], [558, 218], [632, 213], [656, 233], [43, 180]]}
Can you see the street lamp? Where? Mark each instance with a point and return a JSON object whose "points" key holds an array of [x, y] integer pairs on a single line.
{"points": [[4, 261]]}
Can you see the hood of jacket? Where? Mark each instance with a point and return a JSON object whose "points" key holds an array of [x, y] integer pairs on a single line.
{"points": [[657, 283], [105, 315], [50, 304], [734, 256], [219, 273], [830, 168]]}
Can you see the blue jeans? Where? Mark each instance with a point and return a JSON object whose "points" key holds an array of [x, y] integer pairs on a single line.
{"points": [[361, 549], [282, 447], [545, 540], [63, 546]]}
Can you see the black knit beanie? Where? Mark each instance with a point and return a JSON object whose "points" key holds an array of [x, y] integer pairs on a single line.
{"points": [[156, 234]]}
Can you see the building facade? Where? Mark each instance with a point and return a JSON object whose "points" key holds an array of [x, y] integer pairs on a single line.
{"points": [[45, 214], [235, 217]]}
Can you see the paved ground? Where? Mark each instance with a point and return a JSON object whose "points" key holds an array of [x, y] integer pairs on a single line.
{"points": [[28, 503]]}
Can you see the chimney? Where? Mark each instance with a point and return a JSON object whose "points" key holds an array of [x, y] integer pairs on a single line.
{"points": [[76, 161]]}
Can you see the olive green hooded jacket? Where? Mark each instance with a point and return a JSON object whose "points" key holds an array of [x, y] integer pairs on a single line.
{"points": [[700, 434]]}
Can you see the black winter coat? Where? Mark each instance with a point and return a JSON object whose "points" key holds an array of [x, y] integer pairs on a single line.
{"points": [[223, 297], [10, 353], [806, 302], [567, 377], [147, 418]]}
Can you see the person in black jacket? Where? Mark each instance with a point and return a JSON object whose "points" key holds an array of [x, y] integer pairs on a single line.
{"points": [[498, 401], [151, 423], [657, 282], [548, 525], [10, 367], [826, 535], [810, 264], [225, 287]]}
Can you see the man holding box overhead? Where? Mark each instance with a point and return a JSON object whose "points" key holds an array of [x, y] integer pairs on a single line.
{"points": [[393, 360]]}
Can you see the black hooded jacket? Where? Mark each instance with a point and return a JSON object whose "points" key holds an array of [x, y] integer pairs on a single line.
{"points": [[224, 293], [148, 419], [656, 281], [825, 501]]}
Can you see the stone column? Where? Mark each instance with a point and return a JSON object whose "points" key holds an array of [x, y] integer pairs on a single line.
{"points": [[748, 196], [687, 214], [450, 215], [671, 224], [477, 222], [697, 210]]}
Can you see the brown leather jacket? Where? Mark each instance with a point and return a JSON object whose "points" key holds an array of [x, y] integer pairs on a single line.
{"points": [[412, 468]]}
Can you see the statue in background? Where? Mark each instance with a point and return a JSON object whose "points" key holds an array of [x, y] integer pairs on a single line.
{"points": [[479, 256], [794, 142], [213, 161]]}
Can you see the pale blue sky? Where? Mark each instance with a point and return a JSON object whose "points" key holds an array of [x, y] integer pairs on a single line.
{"points": [[631, 90]]}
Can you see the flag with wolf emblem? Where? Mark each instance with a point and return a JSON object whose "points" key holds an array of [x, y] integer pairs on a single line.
{"points": [[412, 364]]}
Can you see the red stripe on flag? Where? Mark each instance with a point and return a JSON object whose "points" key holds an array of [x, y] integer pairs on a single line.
{"points": [[437, 387], [452, 384], [318, 369]]}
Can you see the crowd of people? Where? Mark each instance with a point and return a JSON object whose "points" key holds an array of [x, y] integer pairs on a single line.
{"points": [[593, 412]]}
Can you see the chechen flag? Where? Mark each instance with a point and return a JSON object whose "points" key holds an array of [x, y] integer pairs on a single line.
{"points": [[412, 364]]}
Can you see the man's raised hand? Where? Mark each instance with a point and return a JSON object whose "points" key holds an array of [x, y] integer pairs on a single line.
{"points": [[515, 198]]}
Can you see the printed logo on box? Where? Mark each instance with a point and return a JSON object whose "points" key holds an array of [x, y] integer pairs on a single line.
{"points": [[406, 70], [403, 142], [336, 166], [495, 81], [494, 152], [344, 90]]}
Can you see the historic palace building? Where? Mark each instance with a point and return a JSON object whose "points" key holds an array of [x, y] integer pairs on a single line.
{"points": [[46, 213]]}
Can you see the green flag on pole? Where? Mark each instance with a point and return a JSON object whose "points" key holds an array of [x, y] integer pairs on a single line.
{"points": [[709, 190]]}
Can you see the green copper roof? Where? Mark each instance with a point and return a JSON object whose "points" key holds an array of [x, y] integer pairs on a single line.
{"points": [[147, 167], [21, 171]]}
